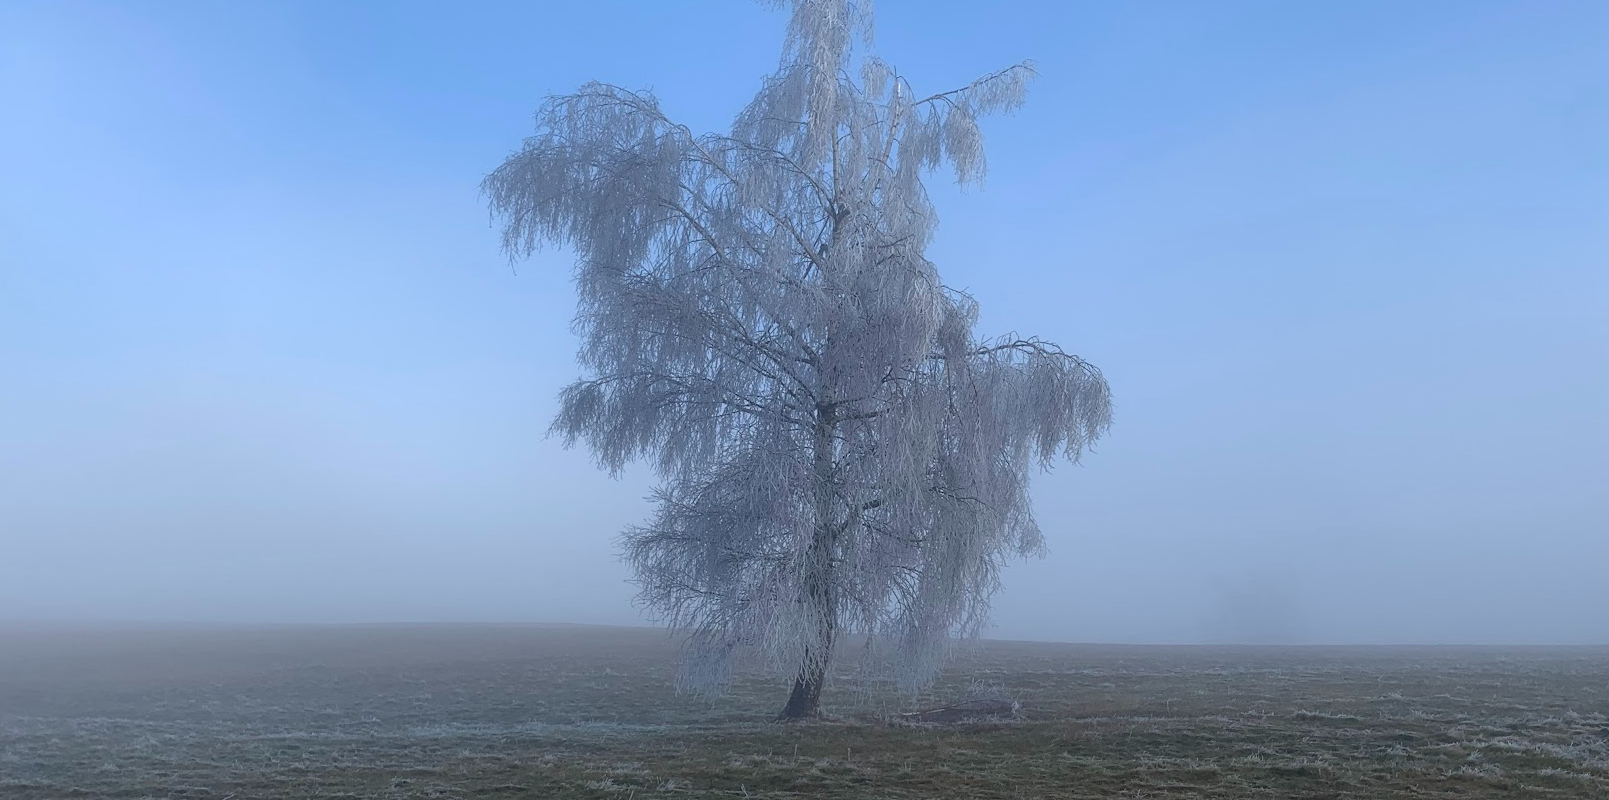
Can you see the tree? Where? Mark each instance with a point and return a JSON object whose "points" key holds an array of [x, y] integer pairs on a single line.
{"points": [[838, 451]]}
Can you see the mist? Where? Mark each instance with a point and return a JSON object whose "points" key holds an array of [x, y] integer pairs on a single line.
{"points": [[1346, 269]]}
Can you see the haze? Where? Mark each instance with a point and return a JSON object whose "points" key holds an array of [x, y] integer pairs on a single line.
{"points": [[1345, 265]]}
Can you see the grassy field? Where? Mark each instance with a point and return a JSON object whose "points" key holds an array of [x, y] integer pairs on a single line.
{"points": [[490, 712]]}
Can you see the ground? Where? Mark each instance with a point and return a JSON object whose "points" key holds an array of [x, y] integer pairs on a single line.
{"points": [[494, 712]]}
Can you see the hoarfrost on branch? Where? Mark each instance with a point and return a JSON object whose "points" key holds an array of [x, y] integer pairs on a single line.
{"points": [[839, 451]]}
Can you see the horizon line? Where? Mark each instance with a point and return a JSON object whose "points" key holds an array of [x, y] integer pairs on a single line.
{"points": [[172, 625]]}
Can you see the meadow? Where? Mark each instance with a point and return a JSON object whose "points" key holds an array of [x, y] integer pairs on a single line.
{"points": [[559, 711]]}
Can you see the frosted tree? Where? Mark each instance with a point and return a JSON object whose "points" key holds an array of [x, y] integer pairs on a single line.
{"points": [[838, 451]]}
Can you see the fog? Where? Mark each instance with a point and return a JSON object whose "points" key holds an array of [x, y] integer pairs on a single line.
{"points": [[1346, 268]]}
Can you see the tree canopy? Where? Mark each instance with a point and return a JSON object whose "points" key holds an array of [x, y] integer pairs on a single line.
{"points": [[838, 450]]}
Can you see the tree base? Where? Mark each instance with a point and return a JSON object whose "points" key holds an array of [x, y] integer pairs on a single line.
{"points": [[800, 712], [804, 702]]}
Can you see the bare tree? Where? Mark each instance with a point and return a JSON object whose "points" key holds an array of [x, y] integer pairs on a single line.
{"points": [[838, 451]]}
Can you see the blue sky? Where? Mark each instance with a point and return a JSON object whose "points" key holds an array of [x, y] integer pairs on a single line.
{"points": [[1345, 264]]}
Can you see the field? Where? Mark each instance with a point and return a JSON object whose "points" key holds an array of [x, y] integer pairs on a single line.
{"points": [[503, 712]]}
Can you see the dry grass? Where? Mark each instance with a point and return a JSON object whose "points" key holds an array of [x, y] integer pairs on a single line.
{"points": [[462, 711]]}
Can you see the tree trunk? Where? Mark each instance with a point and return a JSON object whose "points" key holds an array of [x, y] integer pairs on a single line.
{"points": [[819, 595], [805, 700]]}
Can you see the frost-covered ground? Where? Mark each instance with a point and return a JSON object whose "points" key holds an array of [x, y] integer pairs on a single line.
{"points": [[450, 712]]}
